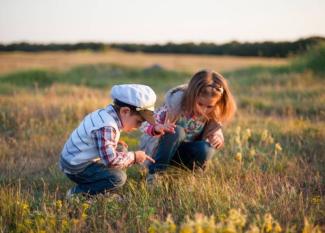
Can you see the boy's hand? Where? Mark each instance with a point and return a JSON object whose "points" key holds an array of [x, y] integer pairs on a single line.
{"points": [[140, 157], [161, 129]]}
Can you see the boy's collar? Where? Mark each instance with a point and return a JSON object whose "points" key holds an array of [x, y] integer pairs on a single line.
{"points": [[110, 109]]}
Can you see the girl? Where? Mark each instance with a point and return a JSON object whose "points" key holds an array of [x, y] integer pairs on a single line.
{"points": [[189, 123]]}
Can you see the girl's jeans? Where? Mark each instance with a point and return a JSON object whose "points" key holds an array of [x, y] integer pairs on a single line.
{"points": [[172, 150], [97, 178]]}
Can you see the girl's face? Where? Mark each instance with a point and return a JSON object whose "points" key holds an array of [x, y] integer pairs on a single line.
{"points": [[205, 105]]}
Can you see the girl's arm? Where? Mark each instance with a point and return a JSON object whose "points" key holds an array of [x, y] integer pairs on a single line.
{"points": [[161, 125], [213, 134], [216, 139]]}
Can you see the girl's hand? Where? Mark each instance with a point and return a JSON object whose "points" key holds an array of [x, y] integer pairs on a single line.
{"points": [[216, 141], [161, 129]]}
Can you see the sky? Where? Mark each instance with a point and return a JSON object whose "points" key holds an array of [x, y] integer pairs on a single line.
{"points": [[153, 21]]}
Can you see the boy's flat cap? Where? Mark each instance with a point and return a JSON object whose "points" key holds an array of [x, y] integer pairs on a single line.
{"points": [[142, 97]]}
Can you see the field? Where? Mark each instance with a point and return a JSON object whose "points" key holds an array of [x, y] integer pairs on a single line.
{"points": [[268, 178], [62, 61]]}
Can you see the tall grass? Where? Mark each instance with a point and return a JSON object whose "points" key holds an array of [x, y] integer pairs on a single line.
{"points": [[272, 164]]}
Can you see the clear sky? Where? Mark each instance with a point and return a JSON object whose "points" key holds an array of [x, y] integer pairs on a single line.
{"points": [[159, 21]]}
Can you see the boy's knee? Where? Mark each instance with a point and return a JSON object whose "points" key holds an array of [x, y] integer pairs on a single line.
{"points": [[122, 178], [118, 178]]}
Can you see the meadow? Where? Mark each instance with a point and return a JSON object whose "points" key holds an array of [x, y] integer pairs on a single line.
{"points": [[62, 61], [269, 177]]}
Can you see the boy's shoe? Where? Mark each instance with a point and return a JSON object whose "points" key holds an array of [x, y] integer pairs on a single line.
{"points": [[70, 193], [151, 179], [117, 197]]}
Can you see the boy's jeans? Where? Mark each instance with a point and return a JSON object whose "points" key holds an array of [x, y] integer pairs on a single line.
{"points": [[172, 150], [97, 178]]}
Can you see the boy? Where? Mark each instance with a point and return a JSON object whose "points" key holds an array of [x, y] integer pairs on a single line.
{"points": [[91, 157]]}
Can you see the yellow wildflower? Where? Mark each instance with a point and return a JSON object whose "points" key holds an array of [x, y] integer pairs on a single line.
{"points": [[237, 140], [252, 153], [264, 135], [24, 207], [170, 224], [75, 221], [238, 129], [268, 222], [186, 228], [270, 139], [238, 156], [247, 135], [152, 229], [278, 147], [237, 218], [65, 224], [85, 206], [277, 228], [58, 204]]}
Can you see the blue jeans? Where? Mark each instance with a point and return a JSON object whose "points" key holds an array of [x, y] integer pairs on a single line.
{"points": [[172, 150], [97, 178]]}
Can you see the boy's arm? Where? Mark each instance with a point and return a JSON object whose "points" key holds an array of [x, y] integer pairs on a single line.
{"points": [[105, 139]]}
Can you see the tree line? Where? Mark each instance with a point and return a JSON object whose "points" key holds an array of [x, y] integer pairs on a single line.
{"points": [[262, 49]]}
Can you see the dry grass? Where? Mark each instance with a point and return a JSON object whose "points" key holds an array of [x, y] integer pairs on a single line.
{"points": [[35, 124], [273, 161], [10, 62]]}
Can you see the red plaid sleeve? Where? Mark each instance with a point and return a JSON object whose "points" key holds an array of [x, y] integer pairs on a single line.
{"points": [[105, 140]]}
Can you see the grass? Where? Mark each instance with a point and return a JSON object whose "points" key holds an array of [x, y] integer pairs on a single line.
{"points": [[62, 61], [272, 164], [92, 76]]}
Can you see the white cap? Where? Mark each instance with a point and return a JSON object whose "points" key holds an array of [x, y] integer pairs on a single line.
{"points": [[140, 96]]}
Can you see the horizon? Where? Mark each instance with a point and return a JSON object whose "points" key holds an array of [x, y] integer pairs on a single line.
{"points": [[162, 43]]}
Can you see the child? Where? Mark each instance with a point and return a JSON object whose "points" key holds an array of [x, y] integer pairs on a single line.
{"points": [[90, 156], [197, 111]]}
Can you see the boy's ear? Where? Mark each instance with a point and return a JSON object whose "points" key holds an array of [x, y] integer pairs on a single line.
{"points": [[125, 110]]}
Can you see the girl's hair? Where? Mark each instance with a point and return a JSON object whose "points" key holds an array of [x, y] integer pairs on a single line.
{"points": [[206, 83]]}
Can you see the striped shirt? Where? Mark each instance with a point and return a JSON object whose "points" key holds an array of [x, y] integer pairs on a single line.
{"points": [[96, 139]]}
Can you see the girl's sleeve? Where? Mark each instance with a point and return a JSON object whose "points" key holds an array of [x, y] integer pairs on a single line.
{"points": [[218, 133], [160, 117]]}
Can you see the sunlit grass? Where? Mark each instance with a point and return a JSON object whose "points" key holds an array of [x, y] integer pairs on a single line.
{"points": [[60, 61], [271, 169]]}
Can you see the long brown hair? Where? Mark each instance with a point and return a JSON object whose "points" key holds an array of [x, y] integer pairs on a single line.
{"points": [[210, 84]]}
